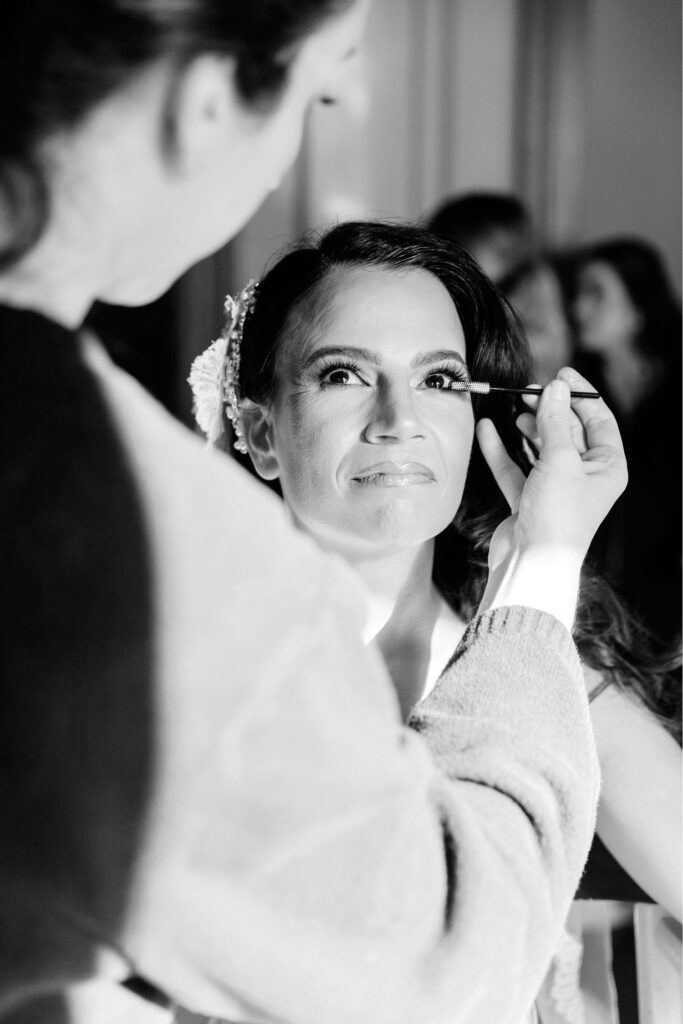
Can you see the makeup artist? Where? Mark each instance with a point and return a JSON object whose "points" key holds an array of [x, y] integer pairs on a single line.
{"points": [[207, 791]]}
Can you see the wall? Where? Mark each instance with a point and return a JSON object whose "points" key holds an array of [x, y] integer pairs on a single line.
{"points": [[632, 178]]}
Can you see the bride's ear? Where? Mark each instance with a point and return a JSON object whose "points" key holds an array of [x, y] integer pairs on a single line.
{"points": [[258, 438]]}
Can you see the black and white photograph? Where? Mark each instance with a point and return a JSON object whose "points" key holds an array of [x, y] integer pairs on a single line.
{"points": [[341, 512]]}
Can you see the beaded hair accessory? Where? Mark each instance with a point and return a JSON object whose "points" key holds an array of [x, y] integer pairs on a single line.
{"points": [[214, 375]]}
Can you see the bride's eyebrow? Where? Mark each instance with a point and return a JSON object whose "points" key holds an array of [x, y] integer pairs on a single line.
{"points": [[440, 355], [340, 352]]}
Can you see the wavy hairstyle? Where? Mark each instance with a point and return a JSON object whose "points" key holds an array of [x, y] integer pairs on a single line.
{"points": [[59, 58], [292, 299]]}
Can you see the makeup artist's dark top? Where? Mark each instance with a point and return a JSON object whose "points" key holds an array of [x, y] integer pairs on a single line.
{"points": [[211, 763]]}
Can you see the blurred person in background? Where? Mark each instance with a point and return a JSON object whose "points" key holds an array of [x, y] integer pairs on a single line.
{"points": [[628, 333], [493, 227], [536, 290]]}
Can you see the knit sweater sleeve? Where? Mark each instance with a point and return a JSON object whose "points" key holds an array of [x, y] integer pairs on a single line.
{"points": [[507, 727], [304, 855]]}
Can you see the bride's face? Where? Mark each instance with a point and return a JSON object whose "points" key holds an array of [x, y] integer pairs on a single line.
{"points": [[370, 447]]}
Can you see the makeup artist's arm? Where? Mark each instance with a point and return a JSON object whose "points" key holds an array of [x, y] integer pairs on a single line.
{"points": [[536, 554], [639, 814]]}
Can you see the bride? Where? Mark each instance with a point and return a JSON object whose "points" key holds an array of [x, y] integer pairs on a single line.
{"points": [[340, 389]]}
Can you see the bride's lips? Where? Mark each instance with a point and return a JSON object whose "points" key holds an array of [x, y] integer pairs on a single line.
{"points": [[394, 474]]}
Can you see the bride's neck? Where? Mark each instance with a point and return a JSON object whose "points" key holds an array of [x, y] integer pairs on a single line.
{"points": [[413, 626], [399, 582], [415, 630]]}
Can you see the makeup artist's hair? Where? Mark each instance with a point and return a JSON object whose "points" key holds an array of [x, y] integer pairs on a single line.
{"points": [[59, 59], [292, 299], [642, 272]]}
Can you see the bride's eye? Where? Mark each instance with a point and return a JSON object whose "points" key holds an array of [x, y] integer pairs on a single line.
{"points": [[440, 379], [340, 376]]}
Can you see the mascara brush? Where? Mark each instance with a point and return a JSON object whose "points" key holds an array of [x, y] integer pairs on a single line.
{"points": [[476, 387]]}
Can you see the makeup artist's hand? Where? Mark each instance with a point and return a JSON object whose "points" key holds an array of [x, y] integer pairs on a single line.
{"points": [[527, 423], [578, 475]]}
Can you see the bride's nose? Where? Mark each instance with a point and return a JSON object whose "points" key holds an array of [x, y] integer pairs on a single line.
{"points": [[394, 416]]}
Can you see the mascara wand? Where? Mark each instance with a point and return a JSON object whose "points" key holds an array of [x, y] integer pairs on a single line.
{"points": [[476, 387]]}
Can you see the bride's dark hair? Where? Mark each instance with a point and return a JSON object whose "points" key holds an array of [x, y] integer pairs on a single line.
{"points": [[292, 301]]}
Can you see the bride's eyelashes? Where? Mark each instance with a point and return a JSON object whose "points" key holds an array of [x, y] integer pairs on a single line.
{"points": [[439, 377], [340, 374]]}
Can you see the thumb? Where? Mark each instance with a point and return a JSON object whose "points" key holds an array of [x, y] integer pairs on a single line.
{"points": [[553, 416]]}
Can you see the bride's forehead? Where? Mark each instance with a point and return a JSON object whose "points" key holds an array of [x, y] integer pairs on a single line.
{"points": [[371, 306], [374, 302], [393, 294]]}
